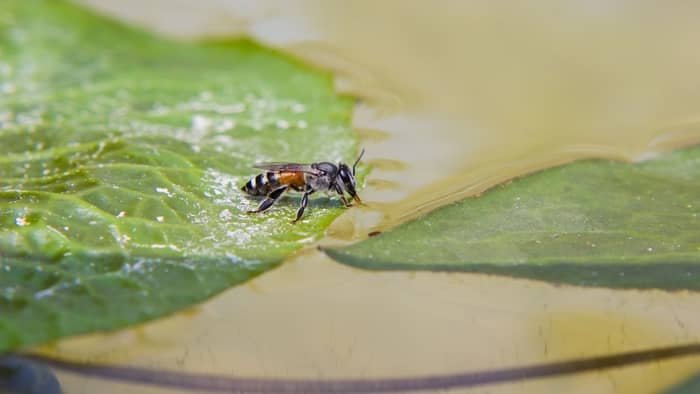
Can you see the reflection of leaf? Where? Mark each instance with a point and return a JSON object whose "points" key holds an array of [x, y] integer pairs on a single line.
{"points": [[121, 156], [594, 223]]}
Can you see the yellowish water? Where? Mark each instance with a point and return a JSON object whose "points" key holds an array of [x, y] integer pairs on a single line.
{"points": [[456, 96], [312, 318]]}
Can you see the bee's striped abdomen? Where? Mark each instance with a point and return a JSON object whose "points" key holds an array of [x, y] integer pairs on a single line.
{"points": [[261, 184]]}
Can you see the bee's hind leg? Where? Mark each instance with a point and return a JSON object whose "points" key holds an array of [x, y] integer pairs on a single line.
{"points": [[304, 203], [270, 199]]}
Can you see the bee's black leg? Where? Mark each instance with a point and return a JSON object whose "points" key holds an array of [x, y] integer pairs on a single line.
{"points": [[271, 198], [304, 203], [342, 196]]}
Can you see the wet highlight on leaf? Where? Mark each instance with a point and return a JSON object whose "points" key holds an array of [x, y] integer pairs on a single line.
{"points": [[588, 223], [121, 161]]}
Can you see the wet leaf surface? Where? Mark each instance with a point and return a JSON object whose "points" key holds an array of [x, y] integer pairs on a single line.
{"points": [[121, 158], [589, 223]]}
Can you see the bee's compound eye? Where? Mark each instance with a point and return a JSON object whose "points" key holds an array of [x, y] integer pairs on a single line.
{"points": [[345, 175]]}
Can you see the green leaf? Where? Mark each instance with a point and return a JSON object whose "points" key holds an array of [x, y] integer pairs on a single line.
{"points": [[121, 159], [589, 223]]}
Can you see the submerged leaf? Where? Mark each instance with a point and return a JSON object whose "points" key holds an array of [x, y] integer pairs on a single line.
{"points": [[590, 223], [121, 159], [689, 386]]}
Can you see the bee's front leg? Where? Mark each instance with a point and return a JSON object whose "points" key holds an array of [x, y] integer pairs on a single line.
{"points": [[342, 196], [345, 202]]}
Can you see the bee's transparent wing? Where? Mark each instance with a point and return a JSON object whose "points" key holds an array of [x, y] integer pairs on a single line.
{"points": [[282, 166]]}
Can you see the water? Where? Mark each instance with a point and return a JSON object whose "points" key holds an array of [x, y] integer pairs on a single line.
{"points": [[455, 97], [312, 318]]}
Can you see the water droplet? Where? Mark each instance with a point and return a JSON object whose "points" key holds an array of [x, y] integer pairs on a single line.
{"points": [[7, 88], [5, 69], [233, 109], [164, 190], [298, 108], [9, 293], [201, 124], [225, 215], [282, 124], [224, 125]]}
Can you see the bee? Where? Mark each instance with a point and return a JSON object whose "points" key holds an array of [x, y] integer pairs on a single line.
{"points": [[304, 178]]}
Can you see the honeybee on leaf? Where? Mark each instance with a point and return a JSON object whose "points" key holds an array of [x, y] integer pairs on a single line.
{"points": [[279, 177]]}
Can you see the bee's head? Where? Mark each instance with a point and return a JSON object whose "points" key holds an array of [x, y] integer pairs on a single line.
{"points": [[348, 178]]}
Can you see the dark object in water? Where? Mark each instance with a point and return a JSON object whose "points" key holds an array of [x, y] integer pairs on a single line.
{"points": [[22, 376]]}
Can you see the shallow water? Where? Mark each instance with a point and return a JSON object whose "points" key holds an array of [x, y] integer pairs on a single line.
{"points": [[312, 318], [456, 96]]}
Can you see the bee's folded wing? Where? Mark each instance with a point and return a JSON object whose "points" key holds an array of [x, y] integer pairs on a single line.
{"points": [[281, 166]]}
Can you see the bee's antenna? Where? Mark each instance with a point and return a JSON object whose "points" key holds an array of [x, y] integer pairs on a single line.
{"points": [[357, 161]]}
